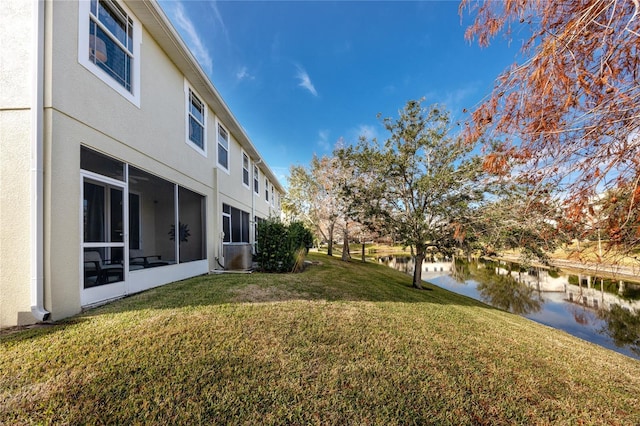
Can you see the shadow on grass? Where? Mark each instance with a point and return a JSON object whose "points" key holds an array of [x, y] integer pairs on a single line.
{"points": [[328, 280], [19, 334]]}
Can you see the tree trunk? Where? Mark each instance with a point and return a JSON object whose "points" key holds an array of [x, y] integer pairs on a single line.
{"points": [[417, 269], [346, 255], [330, 247]]}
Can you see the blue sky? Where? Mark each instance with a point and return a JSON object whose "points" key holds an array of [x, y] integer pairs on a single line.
{"points": [[300, 75]]}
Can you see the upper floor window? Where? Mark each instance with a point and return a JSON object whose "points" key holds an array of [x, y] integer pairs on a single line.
{"points": [[266, 190], [256, 180], [273, 195], [223, 147], [245, 170], [109, 45], [196, 114]]}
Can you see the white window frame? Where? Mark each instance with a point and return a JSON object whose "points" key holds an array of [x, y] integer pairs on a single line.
{"points": [[92, 295], [230, 216], [227, 215], [246, 157], [266, 190], [218, 144], [256, 180], [84, 18], [273, 196], [188, 92]]}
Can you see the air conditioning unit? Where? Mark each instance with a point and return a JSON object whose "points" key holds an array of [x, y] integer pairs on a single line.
{"points": [[237, 256]]}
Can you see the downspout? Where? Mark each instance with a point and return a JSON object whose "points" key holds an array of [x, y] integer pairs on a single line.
{"points": [[253, 206], [37, 166], [220, 236]]}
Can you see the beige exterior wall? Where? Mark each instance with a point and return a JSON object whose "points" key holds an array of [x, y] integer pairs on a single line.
{"points": [[156, 130], [16, 21], [233, 192], [15, 218], [80, 109]]}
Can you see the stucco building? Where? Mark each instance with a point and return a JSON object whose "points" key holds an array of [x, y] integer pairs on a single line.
{"points": [[121, 167]]}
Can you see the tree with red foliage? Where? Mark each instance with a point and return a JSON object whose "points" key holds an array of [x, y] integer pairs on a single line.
{"points": [[570, 114]]}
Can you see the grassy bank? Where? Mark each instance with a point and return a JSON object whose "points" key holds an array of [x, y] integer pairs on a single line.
{"points": [[341, 343]]}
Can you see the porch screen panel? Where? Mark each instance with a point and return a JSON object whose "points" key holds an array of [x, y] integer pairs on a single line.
{"points": [[94, 213], [156, 210], [192, 229], [245, 227], [103, 236]]}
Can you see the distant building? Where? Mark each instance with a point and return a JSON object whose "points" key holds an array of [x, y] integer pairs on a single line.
{"points": [[121, 167]]}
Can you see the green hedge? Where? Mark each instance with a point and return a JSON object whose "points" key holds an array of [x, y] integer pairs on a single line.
{"points": [[281, 248]]}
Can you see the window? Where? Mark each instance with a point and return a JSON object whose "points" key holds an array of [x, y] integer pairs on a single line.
{"points": [[235, 225], [245, 170], [266, 190], [108, 45], [256, 180], [196, 120], [223, 147], [226, 222], [273, 195]]}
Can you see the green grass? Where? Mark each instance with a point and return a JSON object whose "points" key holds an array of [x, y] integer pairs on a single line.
{"points": [[341, 343]]}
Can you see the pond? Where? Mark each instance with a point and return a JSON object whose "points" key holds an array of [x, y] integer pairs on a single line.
{"points": [[600, 310]]}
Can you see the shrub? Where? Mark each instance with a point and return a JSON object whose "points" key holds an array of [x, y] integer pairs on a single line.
{"points": [[282, 248], [273, 251], [300, 237]]}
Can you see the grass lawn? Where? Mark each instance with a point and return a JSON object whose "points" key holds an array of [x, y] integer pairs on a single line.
{"points": [[341, 343]]}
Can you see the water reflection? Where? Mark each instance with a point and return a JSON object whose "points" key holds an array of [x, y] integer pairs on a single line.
{"points": [[623, 326], [600, 310], [505, 292]]}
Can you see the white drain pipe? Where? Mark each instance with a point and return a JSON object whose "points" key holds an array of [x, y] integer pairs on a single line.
{"points": [[37, 166]]}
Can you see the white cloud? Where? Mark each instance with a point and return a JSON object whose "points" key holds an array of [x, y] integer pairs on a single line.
{"points": [[369, 132], [305, 80], [454, 100], [243, 74], [218, 16], [323, 140], [193, 39]]}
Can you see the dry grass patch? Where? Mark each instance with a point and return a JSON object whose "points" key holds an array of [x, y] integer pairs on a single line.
{"points": [[256, 294]]}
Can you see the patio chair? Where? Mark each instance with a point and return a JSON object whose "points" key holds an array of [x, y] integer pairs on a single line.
{"points": [[99, 272], [137, 259]]}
